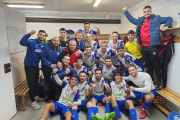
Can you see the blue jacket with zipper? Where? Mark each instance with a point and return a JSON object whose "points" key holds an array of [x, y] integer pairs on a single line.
{"points": [[34, 48], [155, 24], [49, 55]]}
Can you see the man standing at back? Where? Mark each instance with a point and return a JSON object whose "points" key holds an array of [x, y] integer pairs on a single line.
{"points": [[31, 62], [148, 35], [87, 30]]}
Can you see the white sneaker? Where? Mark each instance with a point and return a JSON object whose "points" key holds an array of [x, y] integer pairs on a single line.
{"points": [[35, 105], [39, 99]]}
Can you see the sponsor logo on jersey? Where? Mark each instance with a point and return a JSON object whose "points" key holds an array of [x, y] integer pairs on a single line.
{"points": [[128, 58], [67, 99], [38, 50]]}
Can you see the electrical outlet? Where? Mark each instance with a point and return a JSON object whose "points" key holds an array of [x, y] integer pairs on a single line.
{"points": [[7, 68]]}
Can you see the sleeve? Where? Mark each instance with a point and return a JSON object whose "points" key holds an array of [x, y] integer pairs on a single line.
{"points": [[122, 43], [80, 30], [78, 102], [129, 60], [167, 20], [98, 45], [87, 70], [61, 56], [44, 57], [94, 32], [115, 69], [130, 18], [97, 56], [24, 40], [59, 81], [62, 74], [145, 89], [73, 72], [113, 52], [127, 78]]}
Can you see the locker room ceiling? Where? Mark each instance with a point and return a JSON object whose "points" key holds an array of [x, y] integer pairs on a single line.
{"points": [[79, 5]]}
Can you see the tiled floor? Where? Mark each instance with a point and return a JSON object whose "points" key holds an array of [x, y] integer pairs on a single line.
{"points": [[30, 114]]}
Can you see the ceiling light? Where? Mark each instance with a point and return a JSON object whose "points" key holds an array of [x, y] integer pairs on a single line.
{"points": [[24, 6], [97, 3]]}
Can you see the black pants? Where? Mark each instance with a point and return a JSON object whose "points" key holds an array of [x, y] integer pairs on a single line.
{"points": [[150, 55], [32, 76], [52, 91], [46, 77]]}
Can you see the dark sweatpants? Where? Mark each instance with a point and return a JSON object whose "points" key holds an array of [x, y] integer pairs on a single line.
{"points": [[150, 55], [32, 76]]}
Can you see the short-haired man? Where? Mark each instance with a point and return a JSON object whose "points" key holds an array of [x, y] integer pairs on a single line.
{"points": [[118, 100], [78, 67], [80, 44], [144, 89], [63, 40], [113, 44], [71, 51], [49, 55], [126, 59], [31, 62], [93, 44], [97, 93], [87, 30], [132, 47], [68, 101], [104, 51], [148, 35], [89, 58]]}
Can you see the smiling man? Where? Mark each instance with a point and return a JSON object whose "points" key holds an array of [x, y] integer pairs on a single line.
{"points": [[148, 35]]}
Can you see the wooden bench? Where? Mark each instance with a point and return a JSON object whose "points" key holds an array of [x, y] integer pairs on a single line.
{"points": [[21, 91], [171, 96]]}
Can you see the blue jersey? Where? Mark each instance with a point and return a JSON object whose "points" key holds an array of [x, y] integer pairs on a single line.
{"points": [[83, 68], [108, 74], [130, 59], [82, 89], [90, 32], [49, 55], [34, 48]]}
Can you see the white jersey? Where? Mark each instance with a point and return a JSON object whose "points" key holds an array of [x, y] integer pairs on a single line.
{"points": [[83, 68], [92, 32], [109, 52], [99, 88], [118, 91], [108, 74], [94, 45], [143, 81], [90, 61], [110, 45], [82, 89], [130, 59]]}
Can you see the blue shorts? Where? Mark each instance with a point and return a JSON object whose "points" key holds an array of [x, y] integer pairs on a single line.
{"points": [[83, 105], [98, 98], [122, 107], [60, 109], [140, 95]]}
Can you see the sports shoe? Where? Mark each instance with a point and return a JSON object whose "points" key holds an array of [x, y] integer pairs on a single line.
{"points": [[158, 99], [52, 100], [96, 117], [142, 114], [158, 87], [109, 116], [35, 105], [39, 99], [100, 104], [141, 104]]}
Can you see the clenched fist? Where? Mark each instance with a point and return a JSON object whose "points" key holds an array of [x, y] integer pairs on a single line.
{"points": [[32, 32], [125, 9], [67, 70]]}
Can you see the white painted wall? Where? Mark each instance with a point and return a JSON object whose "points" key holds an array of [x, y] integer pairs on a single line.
{"points": [[53, 28], [8, 105], [162, 8], [14, 18]]}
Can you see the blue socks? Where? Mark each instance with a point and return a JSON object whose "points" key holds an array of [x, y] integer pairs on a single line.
{"points": [[132, 112], [90, 112], [116, 109], [95, 110], [147, 105], [107, 108], [75, 114]]}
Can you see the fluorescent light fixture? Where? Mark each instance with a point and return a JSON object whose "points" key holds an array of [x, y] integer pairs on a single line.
{"points": [[97, 3], [24, 6]]}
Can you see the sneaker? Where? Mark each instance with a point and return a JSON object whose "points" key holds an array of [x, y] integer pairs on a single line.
{"points": [[142, 114], [51, 100], [141, 104], [39, 99], [35, 105], [109, 116], [158, 99], [158, 87], [96, 117], [100, 104]]}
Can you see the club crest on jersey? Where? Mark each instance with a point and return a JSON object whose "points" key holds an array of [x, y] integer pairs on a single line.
{"points": [[97, 55], [36, 44], [134, 44], [58, 53], [42, 46], [128, 58]]}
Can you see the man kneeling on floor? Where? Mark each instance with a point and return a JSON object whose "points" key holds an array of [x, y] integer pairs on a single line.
{"points": [[66, 104], [144, 89], [118, 100], [97, 92]]}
